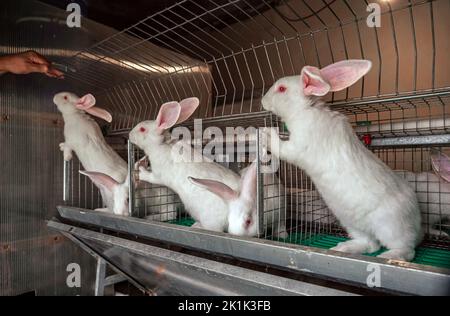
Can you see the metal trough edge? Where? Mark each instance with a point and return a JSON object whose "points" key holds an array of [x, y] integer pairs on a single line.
{"points": [[194, 275], [393, 275]]}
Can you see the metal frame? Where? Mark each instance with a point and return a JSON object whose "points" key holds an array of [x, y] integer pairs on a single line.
{"points": [[395, 275], [204, 55], [130, 148], [198, 39], [432, 140], [102, 281], [186, 274]]}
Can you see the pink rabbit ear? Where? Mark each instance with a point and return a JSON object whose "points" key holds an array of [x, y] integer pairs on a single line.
{"points": [[249, 183], [343, 74], [220, 189], [101, 180], [188, 106], [86, 102], [101, 113], [313, 83], [441, 165], [168, 115]]}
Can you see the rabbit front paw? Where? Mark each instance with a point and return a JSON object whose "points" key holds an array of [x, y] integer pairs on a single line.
{"points": [[270, 141], [143, 162], [67, 152], [146, 176]]}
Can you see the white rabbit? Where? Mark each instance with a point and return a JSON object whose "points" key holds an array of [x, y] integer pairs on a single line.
{"points": [[242, 211], [373, 204], [433, 192], [433, 195], [82, 135], [209, 211], [274, 203]]}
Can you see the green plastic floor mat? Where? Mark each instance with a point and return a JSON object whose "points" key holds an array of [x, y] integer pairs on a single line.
{"points": [[187, 221], [424, 255]]}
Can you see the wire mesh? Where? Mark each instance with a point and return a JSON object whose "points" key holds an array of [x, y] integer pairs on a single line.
{"points": [[228, 53]]}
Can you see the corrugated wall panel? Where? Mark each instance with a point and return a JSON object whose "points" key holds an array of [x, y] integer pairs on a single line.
{"points": [[33, 258]]}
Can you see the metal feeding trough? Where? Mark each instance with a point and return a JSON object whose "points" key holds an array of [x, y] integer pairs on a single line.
{"points": [[158, 271], [127, 245]]}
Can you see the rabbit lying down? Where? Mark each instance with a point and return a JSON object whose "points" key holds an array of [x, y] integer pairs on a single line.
{"points": [[433, 195], [83, 136], [375, 206], [433, 192], [242, 212]]}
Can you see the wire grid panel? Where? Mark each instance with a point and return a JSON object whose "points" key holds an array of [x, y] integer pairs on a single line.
{"points": [[80, 191], [229, 53], [291, 204], [156, 202], [433, 193], [150, 201]]}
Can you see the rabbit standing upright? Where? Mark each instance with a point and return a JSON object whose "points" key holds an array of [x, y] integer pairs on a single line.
{"points": [[242, 210], [83, 136], [373, 204], [209, 211]]}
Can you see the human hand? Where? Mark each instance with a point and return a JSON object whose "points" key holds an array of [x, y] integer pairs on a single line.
{"points": [[28, 62]]}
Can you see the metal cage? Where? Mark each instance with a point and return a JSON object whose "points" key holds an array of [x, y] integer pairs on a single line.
{"points": [[228, 53]]}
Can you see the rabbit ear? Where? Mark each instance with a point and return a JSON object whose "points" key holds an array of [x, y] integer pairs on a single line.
{"points": [[101, 113], [249, 183], [313, 83], [101, 180], [188, 106], [168, 115], [441, 165], [343, 74], [220, 189], [86, 102]]}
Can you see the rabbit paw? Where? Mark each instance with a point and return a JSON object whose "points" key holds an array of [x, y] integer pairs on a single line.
{"points": [[269, 132], [145, 175], [67, 155], [143, 162], [104, 210], [270, 140], [356, 246], [404, 254], [67, 152]]}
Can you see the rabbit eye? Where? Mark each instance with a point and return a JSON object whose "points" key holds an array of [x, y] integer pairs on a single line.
{"points": [[142, 129], [282, 89], [248, 222], [65, 97]]}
